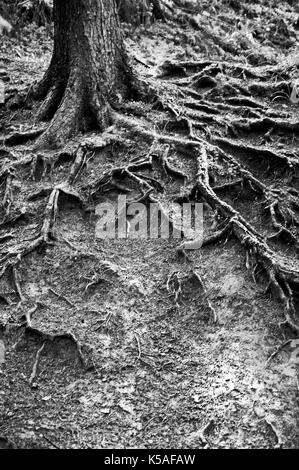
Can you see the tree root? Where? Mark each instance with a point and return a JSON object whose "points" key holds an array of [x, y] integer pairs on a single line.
{"points": [[265, 124], [45, 237], [8, 174], [281, 205], [19, 138], [282, 232], [208, 67], [15, 255], [29, 314], [46, 161], [285, 204], [144, 182], [282, 279], [259, 152]]}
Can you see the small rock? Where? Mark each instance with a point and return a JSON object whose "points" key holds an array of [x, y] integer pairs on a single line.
{"points": [[260, 412]]}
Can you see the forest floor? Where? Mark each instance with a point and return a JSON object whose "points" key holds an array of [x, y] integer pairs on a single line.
{"points": [[98, 354]]}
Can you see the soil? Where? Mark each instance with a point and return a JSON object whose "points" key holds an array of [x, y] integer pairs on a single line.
{"points": [[96, 349]]}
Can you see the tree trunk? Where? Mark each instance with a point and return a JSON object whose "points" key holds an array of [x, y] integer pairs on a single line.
{"points": [[88, 72]]}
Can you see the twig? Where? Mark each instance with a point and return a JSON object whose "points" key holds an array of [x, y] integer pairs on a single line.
{"points": [[148, 423], [29, 314], [50, 442], [105, 321], [62, 297], [35, 365], [139, 348], [70, 244], [141, 61], [16, 281]]}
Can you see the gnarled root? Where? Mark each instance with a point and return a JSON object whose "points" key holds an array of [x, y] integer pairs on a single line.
{"points": [[283, 280]]}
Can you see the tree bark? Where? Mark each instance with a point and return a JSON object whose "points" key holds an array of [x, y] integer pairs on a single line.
{"points": [[88, 72]]}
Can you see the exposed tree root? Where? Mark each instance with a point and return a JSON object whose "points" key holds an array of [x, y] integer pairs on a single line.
{"points": [[6, 237], [264, 124], [46, 236], [282, 232], [19, 138], [280, 159], [210, 67], [7, 174], [198, 111], [11, 259], [216, 236], [282, 204], [283, 280], [131, 171], [17, 253]]}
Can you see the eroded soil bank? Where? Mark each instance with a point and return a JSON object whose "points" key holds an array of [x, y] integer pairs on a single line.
{"points": [[101, 352]]}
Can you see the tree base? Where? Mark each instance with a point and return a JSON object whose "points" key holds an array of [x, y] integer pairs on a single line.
{"points": [[74, 111]]}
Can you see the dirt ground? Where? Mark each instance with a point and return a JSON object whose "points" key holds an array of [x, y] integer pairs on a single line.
{"points": [[120, 364]]}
